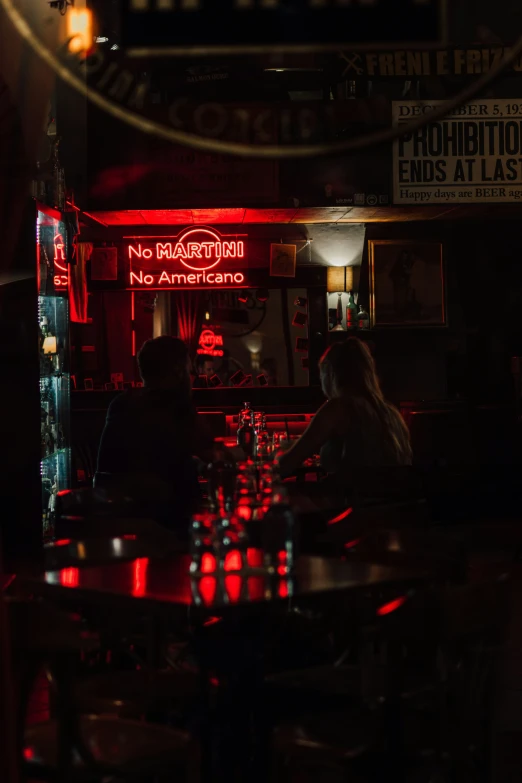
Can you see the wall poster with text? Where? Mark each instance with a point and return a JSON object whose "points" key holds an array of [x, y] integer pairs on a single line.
{"points": [[472, 155]]}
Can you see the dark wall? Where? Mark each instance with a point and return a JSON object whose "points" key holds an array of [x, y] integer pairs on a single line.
{"points": [[471, 357], [20, 487]]}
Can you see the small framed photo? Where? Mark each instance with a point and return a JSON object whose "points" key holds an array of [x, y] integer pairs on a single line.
{"points": [[283, 260], [407, 285]]}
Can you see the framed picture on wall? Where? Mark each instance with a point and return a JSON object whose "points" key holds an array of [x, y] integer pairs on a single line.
{"points": [[407, 286]]}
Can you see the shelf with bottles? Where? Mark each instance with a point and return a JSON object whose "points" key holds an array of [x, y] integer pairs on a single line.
{"points": [[53, 320], [55, 475], [344, 315], [54, 413]]}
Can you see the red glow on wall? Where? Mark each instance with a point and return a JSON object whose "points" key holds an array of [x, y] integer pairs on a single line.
{"points": [[391, 606], [69, 577], [139, 576]]}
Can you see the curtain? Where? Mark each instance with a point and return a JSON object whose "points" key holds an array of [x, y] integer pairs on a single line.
{"points": [[189, 310], [78, 283]]}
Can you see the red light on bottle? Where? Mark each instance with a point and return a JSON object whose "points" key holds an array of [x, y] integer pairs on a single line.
{"points": [[255, 558], [245, 512], [283, 589], [62, 542], [392, 606], [233, 561], [208, 563]]}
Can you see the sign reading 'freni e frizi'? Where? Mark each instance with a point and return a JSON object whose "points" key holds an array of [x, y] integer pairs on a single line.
{"points": [[414, 64], [189, 25], [198, 257], [472, 155]]}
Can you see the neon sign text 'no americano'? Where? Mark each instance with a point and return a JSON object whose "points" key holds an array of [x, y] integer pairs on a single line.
{"points": [[190, 259]]}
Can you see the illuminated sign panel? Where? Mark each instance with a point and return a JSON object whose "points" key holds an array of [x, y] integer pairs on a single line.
{"points": [[210, 343], [196, 258], [61, 278]]}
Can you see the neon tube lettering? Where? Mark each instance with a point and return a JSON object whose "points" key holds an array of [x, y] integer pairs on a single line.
{"points": [[164, 251], [194, 250], [135, 251]]}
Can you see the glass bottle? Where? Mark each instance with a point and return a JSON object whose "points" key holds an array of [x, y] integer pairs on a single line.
{"points": [[245, 432], [339, 315], [363, 319], [351, 313]]}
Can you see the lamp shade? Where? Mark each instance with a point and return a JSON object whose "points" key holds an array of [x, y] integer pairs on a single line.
{"points": [[339, 278]]}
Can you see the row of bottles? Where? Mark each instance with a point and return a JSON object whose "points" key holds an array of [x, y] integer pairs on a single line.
{"points": [[252, 434], [356, 317], [52, 437]]}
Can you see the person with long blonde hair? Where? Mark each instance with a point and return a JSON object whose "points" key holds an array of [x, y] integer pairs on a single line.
{"points": [[356, 427]]}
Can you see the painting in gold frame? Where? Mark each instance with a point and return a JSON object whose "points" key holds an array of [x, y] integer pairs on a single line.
{"points": [[407, 285]]}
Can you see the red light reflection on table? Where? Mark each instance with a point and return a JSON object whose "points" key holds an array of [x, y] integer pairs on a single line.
{"points": [[207, 589], [139, 577], [340, 517], [283, 589], [69, 577], [256, 588], [255, 558], [392, 606], [233, 586]]}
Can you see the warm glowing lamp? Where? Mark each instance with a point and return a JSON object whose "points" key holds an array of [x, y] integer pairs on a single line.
{"points": [[79, 29], [339, 279]]}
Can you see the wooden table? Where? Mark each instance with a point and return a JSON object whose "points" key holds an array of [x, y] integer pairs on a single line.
{"points": [[164, 584]]}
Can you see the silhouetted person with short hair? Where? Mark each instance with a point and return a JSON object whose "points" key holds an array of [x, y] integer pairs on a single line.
{"points": [[152, 435]]}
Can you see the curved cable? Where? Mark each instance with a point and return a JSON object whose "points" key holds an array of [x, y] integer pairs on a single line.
{"points": [[239, 149]]}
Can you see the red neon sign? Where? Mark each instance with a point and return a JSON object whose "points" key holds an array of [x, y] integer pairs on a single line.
{"points": [[60, 260], [189, 259], [208, 342]]}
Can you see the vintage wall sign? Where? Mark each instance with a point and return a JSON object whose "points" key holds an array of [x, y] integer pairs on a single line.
{"points": [[199, 257], [473, 155], [210, 343], [61, 277], [405, 64], [214, 25]]}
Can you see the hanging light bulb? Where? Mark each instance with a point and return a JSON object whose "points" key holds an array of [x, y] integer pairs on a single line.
{"points": [[79, 29]]}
